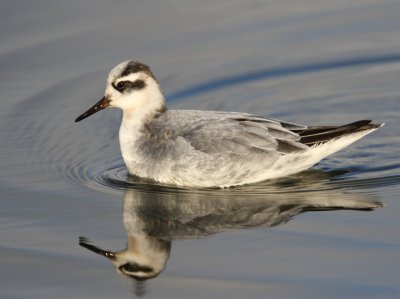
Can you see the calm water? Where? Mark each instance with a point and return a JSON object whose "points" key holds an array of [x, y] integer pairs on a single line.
{"points": [[64, 188]]}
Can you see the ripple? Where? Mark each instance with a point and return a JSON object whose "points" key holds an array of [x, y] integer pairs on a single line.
{"points": [[375, 182]]}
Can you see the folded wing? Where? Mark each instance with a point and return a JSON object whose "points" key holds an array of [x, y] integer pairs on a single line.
{"points": [[238, 133]]}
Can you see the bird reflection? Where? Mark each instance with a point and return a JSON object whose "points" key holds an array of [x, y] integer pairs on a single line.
{"points": [[153, 217]]}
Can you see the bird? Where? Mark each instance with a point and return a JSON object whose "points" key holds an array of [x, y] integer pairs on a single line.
{"points": [[153, 220], [207, 149]]}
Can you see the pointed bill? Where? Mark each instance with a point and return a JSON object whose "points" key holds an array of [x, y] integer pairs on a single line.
{"points": [[100, 105], [95, 249]]}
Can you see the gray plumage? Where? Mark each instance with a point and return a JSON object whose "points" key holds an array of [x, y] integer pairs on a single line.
{"points": [[212, 146]]}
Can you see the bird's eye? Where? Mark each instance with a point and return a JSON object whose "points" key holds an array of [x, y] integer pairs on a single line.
{"points": [[130, 267], [121, 85]]}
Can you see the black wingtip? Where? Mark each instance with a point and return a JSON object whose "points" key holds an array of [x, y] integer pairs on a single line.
{"points": [[321, 134], [359, 123], [364, 125]]}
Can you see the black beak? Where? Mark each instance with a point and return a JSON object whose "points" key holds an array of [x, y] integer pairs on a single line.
{"points": [[100, 105], [108, 254]]}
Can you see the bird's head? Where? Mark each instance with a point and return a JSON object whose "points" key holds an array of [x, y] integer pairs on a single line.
{"points": [[141, 260], [132, 87]]}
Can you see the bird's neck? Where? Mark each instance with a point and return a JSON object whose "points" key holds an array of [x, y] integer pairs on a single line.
{"points": [[144, 112], [133, 124]]}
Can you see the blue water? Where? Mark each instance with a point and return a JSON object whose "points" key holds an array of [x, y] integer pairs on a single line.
{"points": [[312, 235]]}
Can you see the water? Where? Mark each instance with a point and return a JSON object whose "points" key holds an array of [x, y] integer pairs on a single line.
{"points": [[306, 236]]}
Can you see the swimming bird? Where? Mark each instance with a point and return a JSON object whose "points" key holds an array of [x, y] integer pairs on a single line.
{"points": [[153, 220], [196, 148]]}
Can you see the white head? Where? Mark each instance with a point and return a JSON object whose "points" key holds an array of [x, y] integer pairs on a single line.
{"points": [[132, 87], [144, 258], [145, 255]]}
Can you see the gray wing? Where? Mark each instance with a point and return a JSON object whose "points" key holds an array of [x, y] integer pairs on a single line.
{"points": [[239, 133]]}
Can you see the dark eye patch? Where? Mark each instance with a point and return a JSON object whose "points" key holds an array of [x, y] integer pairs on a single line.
{"points": [[138, 84], [133, 267], [123, 86]]}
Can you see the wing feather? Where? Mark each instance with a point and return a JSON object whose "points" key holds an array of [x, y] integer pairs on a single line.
{"points": [[235, 133]]}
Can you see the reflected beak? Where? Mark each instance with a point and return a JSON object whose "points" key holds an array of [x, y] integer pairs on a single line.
{"points": [[95, 249], [100, 105]]}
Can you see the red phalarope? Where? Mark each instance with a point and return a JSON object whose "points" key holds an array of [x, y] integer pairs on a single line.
{"points": [[210, 148]]}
